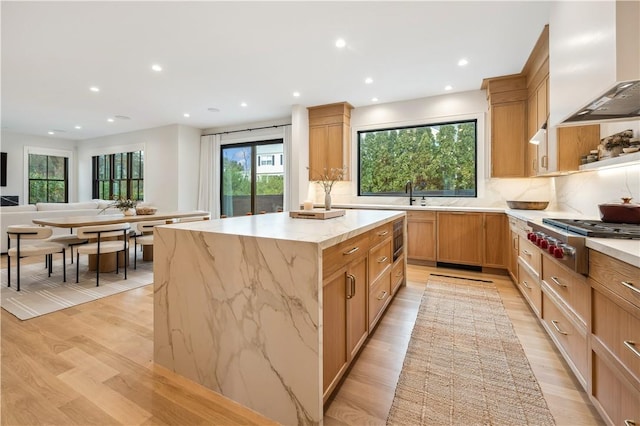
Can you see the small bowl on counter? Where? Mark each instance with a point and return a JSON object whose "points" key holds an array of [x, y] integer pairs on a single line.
{"points": [[527, 205]]}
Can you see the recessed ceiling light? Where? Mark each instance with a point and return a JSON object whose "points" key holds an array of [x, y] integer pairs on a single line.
{"points": [[340, 43], [78, 127], [374, 99], [213, 109], [156, 67], [296, 94], [51, 133], [368, 80], [110, 120], [448, 87], [94, 88], [462, 62], [243, 104], [187, 115]]}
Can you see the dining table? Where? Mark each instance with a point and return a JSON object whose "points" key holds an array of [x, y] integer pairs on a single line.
{"points": [[108, 262]]}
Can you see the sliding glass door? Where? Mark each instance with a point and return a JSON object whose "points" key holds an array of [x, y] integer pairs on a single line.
{"points": [[252, 180]]}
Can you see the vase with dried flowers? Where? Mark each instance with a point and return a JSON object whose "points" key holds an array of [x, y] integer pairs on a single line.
{"points": [[327, 178], [125, 205]]}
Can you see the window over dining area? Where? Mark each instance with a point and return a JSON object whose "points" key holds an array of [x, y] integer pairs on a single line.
{"points": [[438, 159], [118, 175]]}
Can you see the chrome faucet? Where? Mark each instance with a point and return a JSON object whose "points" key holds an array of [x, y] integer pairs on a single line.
{"points": [[408, 189]]}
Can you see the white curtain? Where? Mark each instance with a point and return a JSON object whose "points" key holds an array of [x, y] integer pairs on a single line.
{"points": [[208, 188], [288, 169]]}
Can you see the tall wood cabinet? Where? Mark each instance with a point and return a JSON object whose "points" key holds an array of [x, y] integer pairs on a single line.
{"points": [[329, 138], [507, 98]]}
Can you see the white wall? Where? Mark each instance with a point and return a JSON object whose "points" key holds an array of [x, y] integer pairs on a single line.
{"points": [[169, 183], [14, 145], [455, 106]]}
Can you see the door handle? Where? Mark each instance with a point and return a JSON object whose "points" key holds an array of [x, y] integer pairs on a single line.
{"points": [[351, 288]]}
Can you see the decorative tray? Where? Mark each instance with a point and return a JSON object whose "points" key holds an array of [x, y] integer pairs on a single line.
{"points": [[316, 214]]}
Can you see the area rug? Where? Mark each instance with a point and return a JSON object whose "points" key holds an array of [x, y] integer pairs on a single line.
{"points": [[41, 295], [464, 363]]}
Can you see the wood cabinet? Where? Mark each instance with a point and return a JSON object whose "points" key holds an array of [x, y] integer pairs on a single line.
{"points": [[615, 338], [575, 142], [507, 98], [357, 287], [496, 240], [516, 228], [421, 236], [329, 138], [460, 238], [344, 306]]}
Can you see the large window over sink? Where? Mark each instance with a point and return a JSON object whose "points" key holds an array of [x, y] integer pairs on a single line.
{"points": [[438, 159]]}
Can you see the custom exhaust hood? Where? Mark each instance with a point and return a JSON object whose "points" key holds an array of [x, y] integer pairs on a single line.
{"points": [[621, 102]]}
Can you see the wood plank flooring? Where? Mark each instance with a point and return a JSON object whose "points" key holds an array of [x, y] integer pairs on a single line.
{"points": [[366, 393], [92, 364]]}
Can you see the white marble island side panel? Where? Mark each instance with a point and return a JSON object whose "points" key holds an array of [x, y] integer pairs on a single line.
{"points": [[236, 306]]}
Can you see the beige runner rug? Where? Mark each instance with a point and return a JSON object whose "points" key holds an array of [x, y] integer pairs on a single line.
{"points": [[40, 294], [464, 363]]}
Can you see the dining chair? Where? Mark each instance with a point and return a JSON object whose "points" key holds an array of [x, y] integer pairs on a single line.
{"points": [[103, 244], [69, 241], [33, 248], [144, 237]]}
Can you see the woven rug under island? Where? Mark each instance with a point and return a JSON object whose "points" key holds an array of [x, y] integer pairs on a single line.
{"points": [[464, 363]]}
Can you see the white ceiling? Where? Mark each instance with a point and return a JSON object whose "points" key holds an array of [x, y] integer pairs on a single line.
{"points": [[219, 54]]}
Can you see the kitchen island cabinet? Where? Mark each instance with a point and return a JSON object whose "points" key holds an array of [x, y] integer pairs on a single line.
{"points": [[247, 306]]}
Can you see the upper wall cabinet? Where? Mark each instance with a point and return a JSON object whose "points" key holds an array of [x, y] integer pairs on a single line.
{"points": [[329, 138], [507, 98], [592, 46]]}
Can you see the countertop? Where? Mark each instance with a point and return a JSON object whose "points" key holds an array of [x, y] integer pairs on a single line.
{"points": [[280, 226]]}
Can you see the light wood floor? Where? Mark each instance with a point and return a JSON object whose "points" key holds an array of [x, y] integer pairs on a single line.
{"points": [[366, 393], [92, 364]]}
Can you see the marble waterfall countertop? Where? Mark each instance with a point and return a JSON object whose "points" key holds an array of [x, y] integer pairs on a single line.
{"points": [[238, 306]]}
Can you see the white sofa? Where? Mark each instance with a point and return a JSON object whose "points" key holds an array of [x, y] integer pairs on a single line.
{"points": [[24, 214]]}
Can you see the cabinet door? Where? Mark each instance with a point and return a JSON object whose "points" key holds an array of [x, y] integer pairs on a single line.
{"points": [[541, 102], [508, 139], [532, 123], [334, 317], [357, 329], [421, 236], [575, 142], [496, 241], [513, 256], [460, 238], [318, 139]]}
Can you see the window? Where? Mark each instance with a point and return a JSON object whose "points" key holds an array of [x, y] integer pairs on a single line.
{"points": [[439, 159], [48, 179], [119, 176], [251, 182]]}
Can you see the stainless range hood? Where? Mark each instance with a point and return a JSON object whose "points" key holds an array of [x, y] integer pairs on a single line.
{"points": [[619, 103]]}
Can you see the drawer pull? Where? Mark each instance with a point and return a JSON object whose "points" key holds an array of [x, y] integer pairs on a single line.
{"points": [[526, 252], [382, 233], [632, 347], [383, 259], [352, 286], [524, 283], [630, 286], [399, 273], [382, 296], [629, 423], [353, 250], [555, 325], [557, 282]]}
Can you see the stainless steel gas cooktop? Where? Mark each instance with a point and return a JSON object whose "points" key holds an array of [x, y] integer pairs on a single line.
{"points": [[596, 228]]}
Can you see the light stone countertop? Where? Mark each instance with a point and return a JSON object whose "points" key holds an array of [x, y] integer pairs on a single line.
{"points": [[419, 208], [280, 226]]}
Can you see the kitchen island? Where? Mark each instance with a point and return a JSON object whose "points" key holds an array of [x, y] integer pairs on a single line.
{"points": [[238, 303]]}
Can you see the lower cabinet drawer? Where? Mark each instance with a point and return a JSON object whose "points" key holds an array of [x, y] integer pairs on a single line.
{"points": [[379, 296], [573, 288], [618, 329], [530, 288], [620, 402], [397, 275], [565, 334], [380, 258]]}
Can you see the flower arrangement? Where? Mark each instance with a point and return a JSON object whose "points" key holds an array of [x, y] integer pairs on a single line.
{"points": [[330, 176], [122, 204]]}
